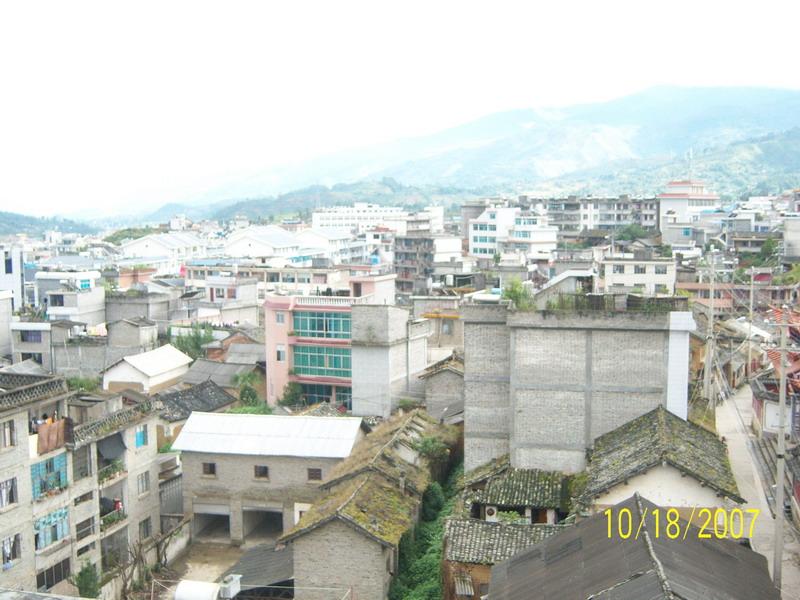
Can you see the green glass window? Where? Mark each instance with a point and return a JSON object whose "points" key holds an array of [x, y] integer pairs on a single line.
{"points": [[322, 324], [318, 360]]}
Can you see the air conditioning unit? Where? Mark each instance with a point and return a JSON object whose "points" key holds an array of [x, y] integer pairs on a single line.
{"points": [[491, 514], [230, 586]]}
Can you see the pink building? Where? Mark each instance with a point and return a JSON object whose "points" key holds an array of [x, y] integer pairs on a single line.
{"points": [[308, 339]]}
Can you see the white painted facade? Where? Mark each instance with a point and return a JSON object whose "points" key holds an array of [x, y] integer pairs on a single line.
{"points": [[358, 218], [667, 487], [11, 273], [624, 273], [176, 247]]}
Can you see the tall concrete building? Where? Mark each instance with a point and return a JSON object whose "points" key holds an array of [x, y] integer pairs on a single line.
{"points": [[11, 274], [543, 385], [389, 349]]}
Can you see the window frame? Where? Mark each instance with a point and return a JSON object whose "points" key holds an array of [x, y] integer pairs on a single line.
{"points": [[209, 469], [314, 471], [264, 469]]}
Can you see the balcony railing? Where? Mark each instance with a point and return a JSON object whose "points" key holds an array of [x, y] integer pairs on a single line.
{"points": [[331, 300], [112, 518], [50, 485], [110, 471]]}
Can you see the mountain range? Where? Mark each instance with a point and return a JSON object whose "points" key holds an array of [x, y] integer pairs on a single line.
{"points": [[741, 140]]}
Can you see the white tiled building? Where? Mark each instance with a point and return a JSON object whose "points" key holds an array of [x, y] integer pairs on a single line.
{"points": [[357, 218]]}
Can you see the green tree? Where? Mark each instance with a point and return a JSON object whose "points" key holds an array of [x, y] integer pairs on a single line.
{"points": [[631, 232], [191, 343], [518, 294], [87, 581], [246, 383], [292, 394], [768, 250]]}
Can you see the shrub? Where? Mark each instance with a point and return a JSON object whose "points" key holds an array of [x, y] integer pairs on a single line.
{"points": [[432, 501], [87, 580]]}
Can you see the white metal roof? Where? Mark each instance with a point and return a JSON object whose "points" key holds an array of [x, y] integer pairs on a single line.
{"points": [[163, 359], [269, 435]]}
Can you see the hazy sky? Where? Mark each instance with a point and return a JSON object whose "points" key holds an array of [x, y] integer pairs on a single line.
{"points": [[116, 105]]}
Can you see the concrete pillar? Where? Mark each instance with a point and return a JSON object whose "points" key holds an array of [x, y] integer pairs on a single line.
{"points": [[236, 524]]}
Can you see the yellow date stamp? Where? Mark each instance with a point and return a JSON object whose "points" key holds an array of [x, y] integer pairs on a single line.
{"points": [[707, 523]]}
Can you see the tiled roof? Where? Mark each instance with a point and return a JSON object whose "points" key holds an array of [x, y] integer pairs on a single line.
{"points": [[368, 502], [17, 389], [654, 438], [497, 483], [582, 561], [384, 450], [116, 421], [205, 397], [481, 542], [221, 373], [454, 363]]}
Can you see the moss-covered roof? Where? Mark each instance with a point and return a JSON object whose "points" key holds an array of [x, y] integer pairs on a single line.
{"points": [[368, 502], [481, 542], [652, 439], [390, 450], [498, 483]]}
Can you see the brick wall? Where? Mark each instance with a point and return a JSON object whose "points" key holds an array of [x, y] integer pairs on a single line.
{"points": [[335, 555]]}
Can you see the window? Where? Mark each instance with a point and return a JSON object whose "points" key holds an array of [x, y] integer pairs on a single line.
{"points": [[8, 436], [231, 293], [81, 462], [51, 528], [639, 269], [33, 337], [314, 393], [8, 492], [318, 360], [34, 356], [84, 529], [84, 498], [219, 292], [9, 265], [322, 324], [145, 530], [11, 550], [661, 270], [143, 482], [447, 327], [55, 574], [261, 472], [619, 269], [141, 436], [280, 353], [280, 317], [85, 549], [661, 289], [344, 397], [49, 475], [209, 468], [315, 474], [57, 300]]}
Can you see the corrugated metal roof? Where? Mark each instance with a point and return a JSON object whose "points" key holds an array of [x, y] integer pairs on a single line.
{"points": [[269, 435], [163, 359]]}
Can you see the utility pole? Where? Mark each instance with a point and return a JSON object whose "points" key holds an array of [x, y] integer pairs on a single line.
{"points": [[750, 328], [779, 474], [707, 368]]}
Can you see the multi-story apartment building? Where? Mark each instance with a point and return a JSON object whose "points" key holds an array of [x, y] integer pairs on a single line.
{"points": [[71, 494], [175, 247], [52, 281], [414, 258], [573, 214], [637, 272], [80, 304], [357, 218], [308, 339], [684, 201], [12, 276]]}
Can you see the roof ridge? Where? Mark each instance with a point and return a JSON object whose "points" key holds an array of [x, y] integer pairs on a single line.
{"points": [[659, 568]]}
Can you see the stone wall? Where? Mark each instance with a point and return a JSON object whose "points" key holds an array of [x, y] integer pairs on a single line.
{"points": [[336, 555]]}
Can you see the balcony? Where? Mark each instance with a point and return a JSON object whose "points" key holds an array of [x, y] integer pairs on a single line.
{"points": [[111, 472], [109, 520], [48, 486]]}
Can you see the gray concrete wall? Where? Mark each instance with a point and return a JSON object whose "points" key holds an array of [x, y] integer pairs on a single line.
{"points": [[443, 389], [335, 555], [572, 378], [154, 307], [89, 360], [486, 383]]}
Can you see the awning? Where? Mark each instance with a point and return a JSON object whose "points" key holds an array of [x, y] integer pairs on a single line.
{"points": [[111, 447]]}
